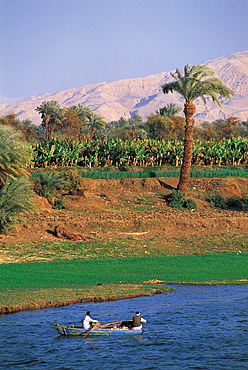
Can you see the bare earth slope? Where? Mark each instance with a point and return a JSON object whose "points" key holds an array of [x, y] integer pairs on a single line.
{"points": [[144, 95], [135, 209]]}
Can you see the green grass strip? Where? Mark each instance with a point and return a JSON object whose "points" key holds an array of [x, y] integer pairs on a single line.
{"points": [[215, 268], [222, 173], [158, 174]]}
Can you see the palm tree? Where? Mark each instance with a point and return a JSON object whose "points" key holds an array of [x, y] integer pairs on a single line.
{"points": [[75, 119], [95, 123], [28, 131], [51, 115], [169, 110], [15, 154], [15, 200], [195, 82], [50, 185]]}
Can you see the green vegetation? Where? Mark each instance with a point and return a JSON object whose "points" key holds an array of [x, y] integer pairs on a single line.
{"points": [[15, 198], [51, 185], [233, 203], [169, 110], [176, 200], [228, 267], [147, 173], [142, 153], [162, 127], [77, 121], [14, 155], [28, 299], [80, 123], [238, 204], [15, 189], [25, 129], [22, 284], [124, 248]]}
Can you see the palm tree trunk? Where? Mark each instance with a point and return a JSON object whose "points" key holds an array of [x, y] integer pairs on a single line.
{"points": [[47, 138], [189, 111], [92, 133]]}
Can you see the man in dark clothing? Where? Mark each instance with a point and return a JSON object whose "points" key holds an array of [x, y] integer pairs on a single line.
{"points": [[137, 321]]}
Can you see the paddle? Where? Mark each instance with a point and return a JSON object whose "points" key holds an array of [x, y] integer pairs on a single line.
{"points": [[110, 323], [93, 327]]}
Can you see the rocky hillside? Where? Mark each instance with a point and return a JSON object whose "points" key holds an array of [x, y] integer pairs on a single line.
{"points": [[144, 95]]}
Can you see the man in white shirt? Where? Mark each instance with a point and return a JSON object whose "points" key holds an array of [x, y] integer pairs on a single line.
{"points": [[88, 321]]}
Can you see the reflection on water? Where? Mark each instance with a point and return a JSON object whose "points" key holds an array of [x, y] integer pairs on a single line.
{"points": [[194, 327]]}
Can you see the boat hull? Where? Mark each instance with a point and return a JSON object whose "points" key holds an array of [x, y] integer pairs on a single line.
{"points": [[71, 330]]}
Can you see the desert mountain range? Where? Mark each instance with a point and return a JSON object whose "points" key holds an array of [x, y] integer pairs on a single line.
{"points": [[143, 95]]}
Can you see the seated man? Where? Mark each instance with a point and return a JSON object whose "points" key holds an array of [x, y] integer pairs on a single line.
{"points": [[88, 321], [137, 321]]}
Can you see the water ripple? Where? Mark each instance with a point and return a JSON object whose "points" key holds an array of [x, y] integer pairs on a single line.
{"points": [[194, 327]]}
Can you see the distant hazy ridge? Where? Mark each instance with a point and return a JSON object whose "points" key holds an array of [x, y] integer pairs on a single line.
{"points": [[144, 95]]}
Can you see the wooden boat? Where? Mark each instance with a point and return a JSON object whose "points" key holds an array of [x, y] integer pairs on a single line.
{"points": [[107, 329]]}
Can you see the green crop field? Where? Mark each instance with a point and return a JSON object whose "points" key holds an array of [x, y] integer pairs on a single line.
{"points": [[25, 285], [228, 267]]}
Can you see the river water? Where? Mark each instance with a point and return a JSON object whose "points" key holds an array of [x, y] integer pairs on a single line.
{"points": [[193, 327]]}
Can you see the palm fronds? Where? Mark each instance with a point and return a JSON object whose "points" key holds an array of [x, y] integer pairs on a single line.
{"points": [[15, 198]]}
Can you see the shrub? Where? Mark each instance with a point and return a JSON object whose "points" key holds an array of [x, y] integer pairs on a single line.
{"points": [[52, 184], [59, 204], [238, 204], [176, 200], [15, 198], [234, 203], [72, 179], [190, 204], [216, 201], [245, 202]]}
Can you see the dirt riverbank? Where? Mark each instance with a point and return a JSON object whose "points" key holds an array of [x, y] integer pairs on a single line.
{"points": [[110, 209]]}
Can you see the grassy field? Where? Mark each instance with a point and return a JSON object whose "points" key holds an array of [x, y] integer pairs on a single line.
{"points": [[128, 246], [44, 284]]}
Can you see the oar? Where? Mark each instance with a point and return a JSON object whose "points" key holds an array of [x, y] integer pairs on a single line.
{"points": [[110, 323], [93, 327]]}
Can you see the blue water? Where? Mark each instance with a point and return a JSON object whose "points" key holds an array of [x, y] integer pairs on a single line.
{"points": [[194, 327]]}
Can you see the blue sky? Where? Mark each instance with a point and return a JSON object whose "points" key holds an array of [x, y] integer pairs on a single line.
{"points": [[54, 45]]}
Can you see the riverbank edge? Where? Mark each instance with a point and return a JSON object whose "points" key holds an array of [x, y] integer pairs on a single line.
{"points": [[150, 290], [146, 279], [145, 290]]}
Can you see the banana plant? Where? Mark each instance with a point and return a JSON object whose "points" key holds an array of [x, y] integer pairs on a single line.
{"points": [[147, 152]]}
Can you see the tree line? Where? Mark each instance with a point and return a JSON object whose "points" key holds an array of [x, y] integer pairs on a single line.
{"points": [[79, 123], [90, 139]]}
